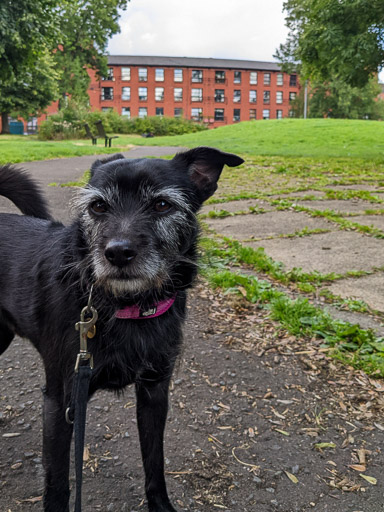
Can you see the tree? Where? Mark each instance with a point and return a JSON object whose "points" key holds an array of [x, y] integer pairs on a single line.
{"points": [[28, 30], [47, 41], [340, 100], [337, 99], [86, 26], [342, 39]]}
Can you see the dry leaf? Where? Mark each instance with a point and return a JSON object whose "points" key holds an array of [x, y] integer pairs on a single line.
{"points": [[282, 432], [291, 477], [358, 467], [369, 479]]}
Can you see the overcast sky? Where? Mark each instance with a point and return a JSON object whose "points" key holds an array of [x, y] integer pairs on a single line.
{"points": [[238, 29]]}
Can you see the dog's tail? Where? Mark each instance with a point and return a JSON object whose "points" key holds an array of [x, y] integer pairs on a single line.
{"points": [[17, 186]]}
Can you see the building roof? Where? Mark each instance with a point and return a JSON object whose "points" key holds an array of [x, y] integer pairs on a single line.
{"points": [[191, 62]]}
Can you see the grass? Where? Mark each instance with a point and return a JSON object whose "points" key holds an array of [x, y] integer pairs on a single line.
{"points": [[351, 344], [312, 138]]}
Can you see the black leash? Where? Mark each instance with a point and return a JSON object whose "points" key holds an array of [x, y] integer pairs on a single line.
{"points": [[77, 410]]}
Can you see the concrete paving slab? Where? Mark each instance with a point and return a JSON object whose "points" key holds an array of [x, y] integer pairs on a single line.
{"points": [[237, 206], [347, 206], [303, 193], [367, 288], [338, 252], [356, 186], [376, 221], [264, 225]]}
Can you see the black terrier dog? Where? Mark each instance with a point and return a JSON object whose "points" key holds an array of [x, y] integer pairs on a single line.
{"points": [[134, 243]]}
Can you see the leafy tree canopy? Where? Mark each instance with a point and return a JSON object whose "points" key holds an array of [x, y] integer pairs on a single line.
{"points": [[86, 26], [334, 38], [27, 29]]}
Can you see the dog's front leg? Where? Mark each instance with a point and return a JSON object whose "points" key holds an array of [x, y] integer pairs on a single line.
{"points": [[152, 408], [57, 434]]}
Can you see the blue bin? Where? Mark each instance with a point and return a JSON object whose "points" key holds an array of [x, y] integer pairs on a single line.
{"points": [[16, 128]]}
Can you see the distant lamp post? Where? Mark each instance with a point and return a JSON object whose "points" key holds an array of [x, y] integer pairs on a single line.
{"points": [[305, 99]]}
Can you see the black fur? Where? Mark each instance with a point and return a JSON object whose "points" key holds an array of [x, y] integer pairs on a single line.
{"points": [[134, 239]]}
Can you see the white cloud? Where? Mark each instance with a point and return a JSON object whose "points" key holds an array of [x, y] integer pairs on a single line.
{"points": [[241, 29]]}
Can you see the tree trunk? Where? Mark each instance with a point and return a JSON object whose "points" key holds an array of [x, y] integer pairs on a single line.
{"points": [[4, 122]]}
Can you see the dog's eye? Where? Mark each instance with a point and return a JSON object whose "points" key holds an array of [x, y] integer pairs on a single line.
{"points": [[99, 207], [162, 206]]}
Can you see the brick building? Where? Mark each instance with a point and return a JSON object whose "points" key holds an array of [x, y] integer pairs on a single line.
{"points": [[215, 91]]}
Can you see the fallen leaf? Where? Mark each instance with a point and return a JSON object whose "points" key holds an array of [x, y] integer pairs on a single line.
{"points": [[358, 467], [320, 446], [369, 479], [282, 432], [291, 477]]}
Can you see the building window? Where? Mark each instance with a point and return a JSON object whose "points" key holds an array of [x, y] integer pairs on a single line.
{"points": [[292, 80], [125, 73], [219, 96], [107, 93], [266, 97], [279, 114], [159, 93], [279, 96], [126, 93], [178, 75], [236, 115], [292, 113], [178, 94], [178, 112], [220, 77], [253, 77], [252, 96], [236, 96], [197, 75], [126, 111], [219, 114], [196, 94], [143, 74], [292, 96], [267, 78], [266, 114], [159, 75], [143, 112], [237, 77], [252, 113], [159, 111], [106, 109], [197, 114], [109, 75], [280, 79], [143, 93]]}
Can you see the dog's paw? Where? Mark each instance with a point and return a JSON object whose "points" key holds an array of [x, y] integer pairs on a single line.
{"points": [[164, 507]]}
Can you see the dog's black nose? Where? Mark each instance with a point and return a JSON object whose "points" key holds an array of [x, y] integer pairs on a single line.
{"points": [[120, 252]]}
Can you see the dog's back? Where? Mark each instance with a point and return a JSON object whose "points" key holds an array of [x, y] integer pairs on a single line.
{"points": [[19, 188]]}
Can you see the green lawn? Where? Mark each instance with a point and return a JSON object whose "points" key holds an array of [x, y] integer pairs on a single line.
{"points": [[316, 138]]}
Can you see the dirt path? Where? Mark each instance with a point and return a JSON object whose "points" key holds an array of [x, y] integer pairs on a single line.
{"points": [[249, 406]]}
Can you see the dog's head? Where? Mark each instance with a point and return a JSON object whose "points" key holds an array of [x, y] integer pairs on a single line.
{"points": [[138, 217]]}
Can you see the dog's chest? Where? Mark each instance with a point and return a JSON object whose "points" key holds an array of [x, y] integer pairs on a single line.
{"points": [[133, 350]]}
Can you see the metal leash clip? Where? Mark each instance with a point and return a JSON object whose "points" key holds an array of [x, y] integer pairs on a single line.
{"points": [[87, 329]]}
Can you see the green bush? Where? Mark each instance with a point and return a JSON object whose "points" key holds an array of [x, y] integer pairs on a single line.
{"points": [[69, 124]]}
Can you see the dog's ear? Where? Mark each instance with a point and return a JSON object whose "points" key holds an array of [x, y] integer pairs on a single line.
{"points": [[99, 163], [205, 165]]}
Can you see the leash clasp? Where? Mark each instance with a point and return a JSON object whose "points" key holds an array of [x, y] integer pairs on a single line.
{"points": [[87, 329]]}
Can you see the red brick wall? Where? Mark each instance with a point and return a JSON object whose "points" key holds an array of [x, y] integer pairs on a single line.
{"points": [[208, 85], [208, 104]]}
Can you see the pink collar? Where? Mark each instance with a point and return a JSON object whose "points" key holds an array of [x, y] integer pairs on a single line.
{"points": [[135, 313]]}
